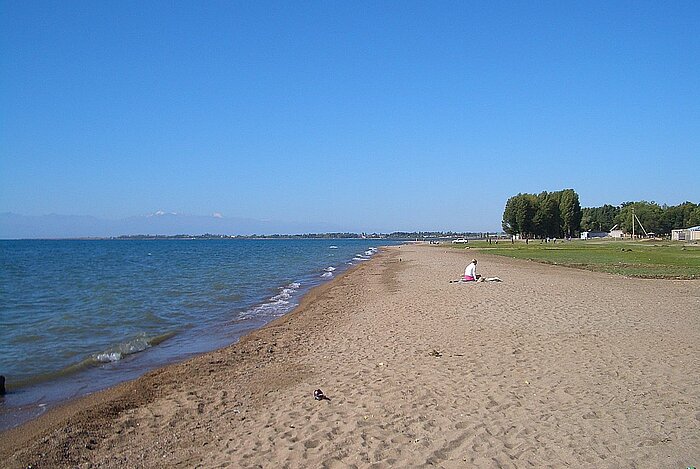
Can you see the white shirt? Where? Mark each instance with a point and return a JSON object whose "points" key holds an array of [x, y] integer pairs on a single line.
{"points": [[470, 271]]}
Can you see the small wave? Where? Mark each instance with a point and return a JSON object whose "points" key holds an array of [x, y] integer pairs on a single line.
{"points": [[365, 256], [327, 274], [276, 305], [107, 357], [333, 247], [111, 355], [286, 293], [116, 353], [160, 338], [329, 269]]}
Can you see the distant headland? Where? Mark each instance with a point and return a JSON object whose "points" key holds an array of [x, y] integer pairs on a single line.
{"points": [[397, 235]]}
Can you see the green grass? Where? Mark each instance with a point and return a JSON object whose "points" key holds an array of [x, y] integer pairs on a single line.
{"points": [[647, 259]]}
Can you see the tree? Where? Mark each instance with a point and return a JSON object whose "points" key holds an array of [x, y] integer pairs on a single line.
{"points": [[648, 213], [542, 215], [510, 223], [588, 221], [606, 218], [518, 215], [546, 220], [570, 212], [694, 219], [598, 218], [655, 218], [678, 217], [525, 207]]}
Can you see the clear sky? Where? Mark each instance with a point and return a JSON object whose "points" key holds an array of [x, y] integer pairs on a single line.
{"points": [[374, 116]]}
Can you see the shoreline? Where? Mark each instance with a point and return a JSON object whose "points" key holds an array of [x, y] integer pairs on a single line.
{"points": [[553, 366], [30, 397], [141, 390]]}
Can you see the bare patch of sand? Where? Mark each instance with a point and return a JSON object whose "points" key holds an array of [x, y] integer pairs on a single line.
{"points": [[552, 367]]}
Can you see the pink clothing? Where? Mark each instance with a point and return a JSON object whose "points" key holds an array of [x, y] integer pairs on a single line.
{"points": [[470, 272], [468, 278]]}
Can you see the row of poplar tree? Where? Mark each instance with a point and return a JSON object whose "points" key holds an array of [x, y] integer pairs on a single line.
{"points": [[559, 214], [543, 215]]}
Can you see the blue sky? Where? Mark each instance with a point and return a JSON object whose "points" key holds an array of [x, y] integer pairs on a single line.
{"points": [[374, 116]]}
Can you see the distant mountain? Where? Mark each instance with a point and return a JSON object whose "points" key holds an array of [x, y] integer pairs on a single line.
{"points": [[14, 226]]}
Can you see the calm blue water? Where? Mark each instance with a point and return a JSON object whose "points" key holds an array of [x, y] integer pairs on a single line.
{"points": [[78, 316]]}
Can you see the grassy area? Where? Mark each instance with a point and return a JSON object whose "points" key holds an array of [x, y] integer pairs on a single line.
{"points": [[648, 259]]}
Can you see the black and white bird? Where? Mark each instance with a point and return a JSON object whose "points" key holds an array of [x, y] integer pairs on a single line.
{"points": [[319, 396]]}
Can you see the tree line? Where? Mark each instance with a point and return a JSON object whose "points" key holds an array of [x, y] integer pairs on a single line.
{"points": [[543, 215], [559, 214], [655, 218]]}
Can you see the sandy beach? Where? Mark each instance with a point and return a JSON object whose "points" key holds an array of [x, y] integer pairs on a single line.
{"points": [[553, 367]]}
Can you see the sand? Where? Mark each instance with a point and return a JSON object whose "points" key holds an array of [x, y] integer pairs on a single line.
{"points": [[553, 367]]}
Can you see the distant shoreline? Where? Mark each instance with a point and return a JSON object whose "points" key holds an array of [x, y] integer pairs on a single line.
{"points": [[398, 236]]}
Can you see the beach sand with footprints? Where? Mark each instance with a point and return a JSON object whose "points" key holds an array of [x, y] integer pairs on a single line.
{"points": [[552, 367]]}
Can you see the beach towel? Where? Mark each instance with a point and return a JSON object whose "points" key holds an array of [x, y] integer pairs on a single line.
{"points": [[491, 279], [481, 279]]}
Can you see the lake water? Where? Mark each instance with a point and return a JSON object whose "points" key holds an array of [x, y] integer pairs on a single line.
{"points": [[77, 316]]}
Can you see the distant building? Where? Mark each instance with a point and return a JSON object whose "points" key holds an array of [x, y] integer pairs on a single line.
{"points": [[593, 234], [688, 234], [616, 232]]}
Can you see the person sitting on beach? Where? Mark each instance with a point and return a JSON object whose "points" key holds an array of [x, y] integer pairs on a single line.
{"points": [[470, 275], [470, 272]]}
